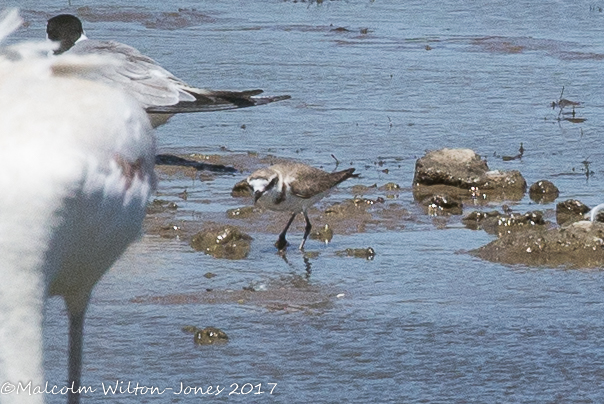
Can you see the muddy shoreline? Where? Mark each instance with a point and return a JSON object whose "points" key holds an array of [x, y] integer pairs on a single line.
{"points": [[443, 183]]}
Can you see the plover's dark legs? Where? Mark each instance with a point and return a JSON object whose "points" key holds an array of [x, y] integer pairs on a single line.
{"points": [[306, 230], [281, 242]]}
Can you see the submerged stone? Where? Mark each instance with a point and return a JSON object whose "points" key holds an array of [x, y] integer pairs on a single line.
{"points": [[160, 205], [543, 192], [443, 204], [222, 242], [349, 207], [210, 335], [570, 210], [390, 186], [324, 234], [189, 329], [367, 253], [241, 213], [241, 189], [497, 223], [362, 189], [518, 221]]}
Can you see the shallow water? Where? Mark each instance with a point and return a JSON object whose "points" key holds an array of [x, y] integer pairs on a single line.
{"points": [[421, 322]]}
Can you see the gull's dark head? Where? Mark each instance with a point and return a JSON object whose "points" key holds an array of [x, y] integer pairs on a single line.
{"points": [[262, 181], [65, 29]]}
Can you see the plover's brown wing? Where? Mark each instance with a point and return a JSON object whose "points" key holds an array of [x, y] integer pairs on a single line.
{"points": [[317, 181], [565, 103]]}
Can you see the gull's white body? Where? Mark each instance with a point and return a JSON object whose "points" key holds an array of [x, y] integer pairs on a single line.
{"points": [[76, 170]]}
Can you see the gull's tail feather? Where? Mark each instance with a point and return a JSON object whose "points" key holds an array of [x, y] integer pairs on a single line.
{"points": [[10, 20], [593, 214]]}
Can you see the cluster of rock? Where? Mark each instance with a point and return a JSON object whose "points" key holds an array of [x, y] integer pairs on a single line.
{"points": [[206, 336], [444, 181], [445, 178], [222, 241]]}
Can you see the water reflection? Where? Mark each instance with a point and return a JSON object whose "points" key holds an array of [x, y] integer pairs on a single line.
{"points": [[305, 258]]}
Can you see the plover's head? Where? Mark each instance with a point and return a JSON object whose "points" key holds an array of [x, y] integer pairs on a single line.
{"points": [[262, 181], [65, 29]]}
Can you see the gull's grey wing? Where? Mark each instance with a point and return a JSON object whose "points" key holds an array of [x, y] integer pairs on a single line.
{"points": [[158, 90], [138, 74]]}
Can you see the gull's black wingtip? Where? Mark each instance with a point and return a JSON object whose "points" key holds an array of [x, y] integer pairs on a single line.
{"points": [[218, 101], [269, 99]]}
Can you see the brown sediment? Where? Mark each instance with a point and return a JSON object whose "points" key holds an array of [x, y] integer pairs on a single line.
{"points": [[580, 245], [497, 223], [180, 18], [354, 215], [350, 216], [524, 238], [499, 45], [288, 295]]}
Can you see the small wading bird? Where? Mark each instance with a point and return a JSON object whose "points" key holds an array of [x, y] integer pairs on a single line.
{"points": [[160, 92], [563, 103], [76, 171], [293, 187]]}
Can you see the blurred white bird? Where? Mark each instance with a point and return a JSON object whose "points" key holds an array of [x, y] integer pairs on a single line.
{"points": [[76, 171]]}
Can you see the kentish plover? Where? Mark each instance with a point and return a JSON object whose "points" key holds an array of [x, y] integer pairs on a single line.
{"points": [[293, 187]]}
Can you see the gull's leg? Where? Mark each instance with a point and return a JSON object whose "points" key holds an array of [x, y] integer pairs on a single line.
{"points": [[76, 309]]}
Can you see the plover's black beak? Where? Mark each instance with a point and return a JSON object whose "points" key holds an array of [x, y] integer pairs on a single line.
{"points": [[257, 195]]}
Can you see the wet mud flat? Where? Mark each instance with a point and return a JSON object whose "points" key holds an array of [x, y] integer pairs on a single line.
{"points": [[580, 245], [526, 238], [445, 183], [449, 327], [288, 294], [361, 208], [451, 187], [229, 234]]}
